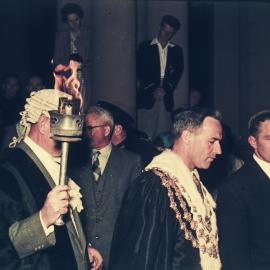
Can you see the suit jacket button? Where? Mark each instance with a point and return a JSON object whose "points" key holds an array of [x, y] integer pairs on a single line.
{"points": [[97, 237]]}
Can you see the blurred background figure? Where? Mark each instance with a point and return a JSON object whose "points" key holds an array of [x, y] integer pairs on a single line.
{"points": [[11, 103], [160, 65], [195, 97], [35, 82], [74, 40], [163, 141]]}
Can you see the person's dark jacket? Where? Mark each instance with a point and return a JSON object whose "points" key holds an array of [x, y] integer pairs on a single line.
{"points": [[147, 234], [243, 219], [148, 74]]}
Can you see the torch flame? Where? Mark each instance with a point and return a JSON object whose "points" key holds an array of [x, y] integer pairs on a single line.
{"points": [[71, 84]]}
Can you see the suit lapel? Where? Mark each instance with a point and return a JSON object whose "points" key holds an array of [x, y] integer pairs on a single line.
{"points": [[169, 57], [40, 166], [90, 186], [108, 175], [156, 59], [259, 174]]}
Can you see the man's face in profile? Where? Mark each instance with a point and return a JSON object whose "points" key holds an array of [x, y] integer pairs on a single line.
{"points": [[261, 142], [205, 143]]}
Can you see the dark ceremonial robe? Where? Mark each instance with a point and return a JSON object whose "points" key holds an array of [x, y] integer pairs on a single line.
{"points": [[148, 73], [243, 208], [147, 234], [24, 185]]}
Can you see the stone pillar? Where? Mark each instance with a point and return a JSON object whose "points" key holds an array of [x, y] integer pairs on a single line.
{"points": [[151, 12], [226, 62], [114, 75]]}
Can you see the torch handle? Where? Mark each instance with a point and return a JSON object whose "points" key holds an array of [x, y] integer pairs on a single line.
{"points": [[63, 174], [64, 159]]}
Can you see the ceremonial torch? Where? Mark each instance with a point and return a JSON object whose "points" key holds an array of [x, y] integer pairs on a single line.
{"points": [[67, 122]]}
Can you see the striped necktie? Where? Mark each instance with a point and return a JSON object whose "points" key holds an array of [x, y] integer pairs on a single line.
{"points": [[96, 166]]}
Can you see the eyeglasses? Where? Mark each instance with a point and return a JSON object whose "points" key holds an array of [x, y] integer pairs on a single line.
{"points": [[90, 128]]}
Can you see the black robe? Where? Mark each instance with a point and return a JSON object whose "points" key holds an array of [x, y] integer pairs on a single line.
{"points": [[23, 190], [147, 234]]}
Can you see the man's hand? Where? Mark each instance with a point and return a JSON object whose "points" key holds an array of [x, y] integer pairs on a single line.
{"points": [[159, 93], [95, 258], [56, 204]]}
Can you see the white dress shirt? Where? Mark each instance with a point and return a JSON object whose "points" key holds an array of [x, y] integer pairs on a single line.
{"points": [[163, 52]]}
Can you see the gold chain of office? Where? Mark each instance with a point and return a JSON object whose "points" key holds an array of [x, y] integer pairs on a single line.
{"points": [[196, 229]]}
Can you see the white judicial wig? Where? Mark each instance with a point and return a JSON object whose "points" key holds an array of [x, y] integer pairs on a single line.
{"points": [[39, 102]]}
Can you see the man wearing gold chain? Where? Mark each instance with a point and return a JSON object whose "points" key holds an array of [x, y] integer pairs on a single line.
{"points": [[167, 220]]}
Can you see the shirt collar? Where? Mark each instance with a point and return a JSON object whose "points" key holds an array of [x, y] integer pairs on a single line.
{"points": [[105, 151], [265, 166], [38, 150], [156, 42]]}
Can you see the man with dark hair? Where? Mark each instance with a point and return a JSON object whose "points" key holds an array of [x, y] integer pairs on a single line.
{"points": [[71, 8], [160, 65], [172, 21], [243, 205], [167, 219], [104, 179]]}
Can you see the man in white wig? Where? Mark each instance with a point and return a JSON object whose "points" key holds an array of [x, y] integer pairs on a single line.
{"points": [[167, 219], [31, 199]]}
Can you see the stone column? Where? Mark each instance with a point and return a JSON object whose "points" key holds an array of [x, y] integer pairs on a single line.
{"points": [[114, 75]]}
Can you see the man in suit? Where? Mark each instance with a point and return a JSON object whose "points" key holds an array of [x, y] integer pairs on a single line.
{"points": [[167, 219], [31, 200], [243, 205], [160, 65], [105, 182]]}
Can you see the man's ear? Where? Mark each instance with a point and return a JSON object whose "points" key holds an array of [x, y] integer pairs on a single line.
{"points": [[107, 130], [252, 141], [44, 124], [187, 136], [118, 129]]}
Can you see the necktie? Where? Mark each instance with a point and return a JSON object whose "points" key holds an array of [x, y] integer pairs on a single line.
{"points": [[96, 166]]}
